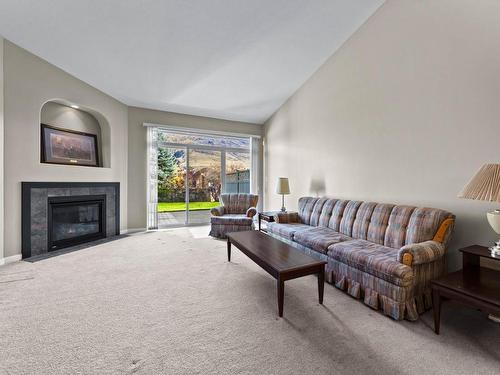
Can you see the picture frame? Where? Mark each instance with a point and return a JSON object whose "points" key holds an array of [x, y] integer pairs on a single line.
{"points": [[68, 147]]}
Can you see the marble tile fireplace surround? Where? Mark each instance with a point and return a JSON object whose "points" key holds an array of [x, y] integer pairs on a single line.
{"points": [[56, 215]]}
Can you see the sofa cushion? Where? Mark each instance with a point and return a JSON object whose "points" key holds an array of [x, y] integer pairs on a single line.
{"points": [[319, 238], [306, 207], [378, 223], [424, 223], [362, 221], [337, 213], [286, 230], [348, 217], [326, 212], [234, 219], [396, 229], [374, 259], [316, 212]]}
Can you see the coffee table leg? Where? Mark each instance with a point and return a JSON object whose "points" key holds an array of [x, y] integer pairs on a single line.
{"points": [[281, 295], [228, 250], [436, 306], [321, 284]]}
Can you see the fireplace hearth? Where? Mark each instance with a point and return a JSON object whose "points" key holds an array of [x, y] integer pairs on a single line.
{"points": [[56, 215]]}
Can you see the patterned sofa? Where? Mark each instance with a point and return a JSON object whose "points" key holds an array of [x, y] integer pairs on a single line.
{"points": [[383, 253], [235, 214]]}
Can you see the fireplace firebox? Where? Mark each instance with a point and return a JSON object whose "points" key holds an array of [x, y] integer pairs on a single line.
{"points": [[73, 220]]}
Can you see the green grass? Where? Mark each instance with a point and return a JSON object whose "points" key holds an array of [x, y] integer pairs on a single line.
{"points": [[181, 206]]}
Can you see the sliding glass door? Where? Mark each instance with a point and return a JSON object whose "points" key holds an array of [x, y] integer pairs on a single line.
{"points": [[171, 203], [188, 172], [204, 184], [237, 178]]}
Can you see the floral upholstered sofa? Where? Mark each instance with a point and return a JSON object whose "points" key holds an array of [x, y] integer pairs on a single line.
{"points": [[235, 214], [385, 254]]}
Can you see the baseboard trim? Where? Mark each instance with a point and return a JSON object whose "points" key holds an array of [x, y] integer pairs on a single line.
{"points": [[132, 230], [11, 259]]}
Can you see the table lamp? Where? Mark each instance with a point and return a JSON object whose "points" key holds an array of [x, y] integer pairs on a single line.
{"points": [[283, 188], [485, 186]]}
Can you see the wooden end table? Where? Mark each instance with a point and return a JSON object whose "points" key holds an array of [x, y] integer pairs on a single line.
{"points": [[269, 217], [476, 286], [266, 216], [280, 260]]}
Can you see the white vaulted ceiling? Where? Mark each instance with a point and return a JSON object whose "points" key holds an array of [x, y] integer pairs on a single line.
{"points": [[231, 59]]}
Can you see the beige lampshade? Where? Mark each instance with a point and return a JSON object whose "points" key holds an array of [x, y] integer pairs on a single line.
{"points": [[282, 187], [485, 185]]}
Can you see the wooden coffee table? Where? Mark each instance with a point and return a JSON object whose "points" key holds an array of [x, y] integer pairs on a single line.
{"points": [[280, 260]]}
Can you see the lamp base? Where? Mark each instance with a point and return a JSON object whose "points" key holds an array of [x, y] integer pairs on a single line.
{"points": [[495, 253], [496, 319], [495, 250], [283, 209]]}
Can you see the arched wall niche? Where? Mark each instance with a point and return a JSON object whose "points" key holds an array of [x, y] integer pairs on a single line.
{"points": [[60, 113]]}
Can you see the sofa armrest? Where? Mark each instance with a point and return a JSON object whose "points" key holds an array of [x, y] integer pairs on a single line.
{"points": [[286, 217], [217, 211], [420, 253], [444, 231], [251, 212]]}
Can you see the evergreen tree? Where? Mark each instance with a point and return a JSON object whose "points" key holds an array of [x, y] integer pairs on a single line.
{"points": [[167, 167]]}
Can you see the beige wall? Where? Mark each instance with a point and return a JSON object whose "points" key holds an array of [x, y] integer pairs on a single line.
{"points": [[405, 112], [62, 116], [29, 83], [137, 162]]}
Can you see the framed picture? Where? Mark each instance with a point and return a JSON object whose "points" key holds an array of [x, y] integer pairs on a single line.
{"points": [[62, 146]]}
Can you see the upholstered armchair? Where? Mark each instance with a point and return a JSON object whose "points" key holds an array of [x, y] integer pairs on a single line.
{"points": [[235, 214]]}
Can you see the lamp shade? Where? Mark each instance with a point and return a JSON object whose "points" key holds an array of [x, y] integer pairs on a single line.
{"points": [[282, 187], [485, 185]]}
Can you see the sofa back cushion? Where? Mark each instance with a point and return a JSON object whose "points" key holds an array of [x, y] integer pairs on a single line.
{"points": [[378, 223], [337, 213], [395, 234], [348, 218], [238, 203], [384, 224], [362, 221], [306, 206], [316, 212], [326, 212], [424, 223]]}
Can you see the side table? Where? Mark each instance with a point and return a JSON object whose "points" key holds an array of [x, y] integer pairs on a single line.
{"points": [[266, 216], [473, 285]]}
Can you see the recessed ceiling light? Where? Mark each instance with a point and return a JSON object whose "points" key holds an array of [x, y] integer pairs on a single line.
{"points": [[74, 106]]}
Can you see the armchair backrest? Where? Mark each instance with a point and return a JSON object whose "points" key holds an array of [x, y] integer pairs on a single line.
{"points": [[238, 203]]}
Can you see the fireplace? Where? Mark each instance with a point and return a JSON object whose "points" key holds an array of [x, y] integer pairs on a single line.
{"points": [[75, 219], [56, 215]]}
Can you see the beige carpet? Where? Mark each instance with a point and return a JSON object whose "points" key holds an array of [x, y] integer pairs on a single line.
{"points": [[169, 303]]}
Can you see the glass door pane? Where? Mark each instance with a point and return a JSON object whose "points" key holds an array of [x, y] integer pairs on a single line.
{"points": [[204, 182], [171, 186], [237, 172]]}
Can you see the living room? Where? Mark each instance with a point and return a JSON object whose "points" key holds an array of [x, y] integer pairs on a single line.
{"points": [[249, 187]]}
